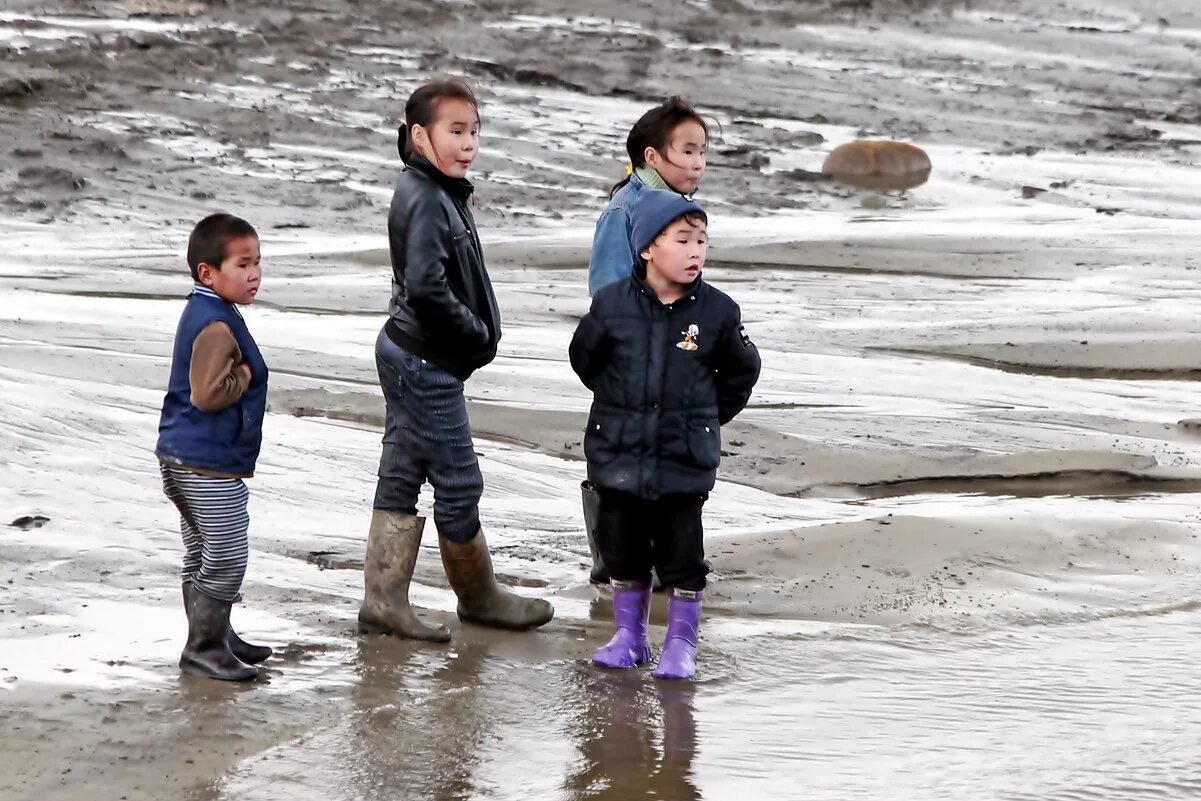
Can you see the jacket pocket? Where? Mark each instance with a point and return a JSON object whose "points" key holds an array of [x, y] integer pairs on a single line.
{"points": [[462, 250], [704, 444], [602, 440]]}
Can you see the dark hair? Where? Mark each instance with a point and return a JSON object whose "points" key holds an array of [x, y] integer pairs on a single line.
{"points": [[210, 237], [422, 108], [654, 129]]}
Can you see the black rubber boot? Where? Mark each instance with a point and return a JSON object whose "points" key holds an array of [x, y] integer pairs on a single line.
{"points": [[206, 652], [599, 574], [250, 654]]}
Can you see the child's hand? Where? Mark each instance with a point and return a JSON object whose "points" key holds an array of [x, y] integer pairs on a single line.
{"points": [[246, 367]]}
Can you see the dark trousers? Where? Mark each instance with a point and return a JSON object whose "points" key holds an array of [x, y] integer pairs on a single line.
{"points": [[636, 534], [427, 436]]}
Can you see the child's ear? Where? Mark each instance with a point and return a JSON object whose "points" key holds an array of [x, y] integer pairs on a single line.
{"points": [[418, 134], [646, 254], [205, 271], [650, 156]]}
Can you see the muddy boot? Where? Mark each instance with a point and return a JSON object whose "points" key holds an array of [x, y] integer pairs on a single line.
{"points": [[206, 652], [392, 546], [250, 654], [481, 600], [678, 660], [631, 611], [599, 575]]}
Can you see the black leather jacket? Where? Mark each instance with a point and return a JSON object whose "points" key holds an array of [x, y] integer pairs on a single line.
{"points": [[443, 308]]}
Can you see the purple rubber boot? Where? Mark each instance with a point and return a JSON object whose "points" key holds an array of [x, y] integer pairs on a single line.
{"points": [[629, 646], [678, 660]]}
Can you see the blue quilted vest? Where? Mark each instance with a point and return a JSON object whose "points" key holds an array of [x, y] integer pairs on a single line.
{"points": [[226, 441]]}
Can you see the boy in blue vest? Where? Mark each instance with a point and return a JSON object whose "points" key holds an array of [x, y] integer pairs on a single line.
{"points": [[209, 436], [668, 363]]}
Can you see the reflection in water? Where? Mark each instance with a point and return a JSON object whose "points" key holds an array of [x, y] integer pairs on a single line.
{"points": [[620, 718], [1100, 710], [418, 723], [679, 741]]}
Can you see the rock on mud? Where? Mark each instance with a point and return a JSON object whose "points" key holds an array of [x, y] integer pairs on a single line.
{"points": [[51, 178], [18, 83], [30, 521], [882, 165]]}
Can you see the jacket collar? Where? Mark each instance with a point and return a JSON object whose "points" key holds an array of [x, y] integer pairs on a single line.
{"points": [[639, 279], [458, 188], [203, 291]]}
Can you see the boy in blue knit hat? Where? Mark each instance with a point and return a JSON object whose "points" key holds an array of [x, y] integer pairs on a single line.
{"points": [[669, 363], [208, 441]]}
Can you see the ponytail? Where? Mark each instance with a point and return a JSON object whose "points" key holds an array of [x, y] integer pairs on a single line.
{"points": [[402, 143]]}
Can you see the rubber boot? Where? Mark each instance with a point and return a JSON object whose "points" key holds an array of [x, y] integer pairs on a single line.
{"points": [[631, 613], [206, 652], [678, 660], [250, 654], [392, 546], [599, 574], [481, 600]]}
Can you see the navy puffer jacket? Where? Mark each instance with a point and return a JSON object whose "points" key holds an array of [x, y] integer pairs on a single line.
{"points": [[665, 378]]}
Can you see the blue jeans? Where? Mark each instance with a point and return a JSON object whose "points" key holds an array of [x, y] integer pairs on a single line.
{"points": [[427, 436]]}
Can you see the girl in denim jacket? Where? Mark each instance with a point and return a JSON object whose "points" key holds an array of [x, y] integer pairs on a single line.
{"points": [[667, 151]]}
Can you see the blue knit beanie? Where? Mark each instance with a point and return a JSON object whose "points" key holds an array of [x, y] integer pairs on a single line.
{"points": [[655, 210]]}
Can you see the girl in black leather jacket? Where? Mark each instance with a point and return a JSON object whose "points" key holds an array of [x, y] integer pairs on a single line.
{"points": [[443, 324]]}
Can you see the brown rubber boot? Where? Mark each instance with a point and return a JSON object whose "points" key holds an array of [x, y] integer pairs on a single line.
{"points": [[481, 600], [392, 546]]}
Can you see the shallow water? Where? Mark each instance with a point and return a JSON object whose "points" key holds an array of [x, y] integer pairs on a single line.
{"points": [[1080, 711]]}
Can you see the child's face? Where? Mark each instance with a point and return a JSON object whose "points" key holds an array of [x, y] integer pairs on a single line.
{"points": [[678, 254], [452, 141], [683, 165], [237, 279]]}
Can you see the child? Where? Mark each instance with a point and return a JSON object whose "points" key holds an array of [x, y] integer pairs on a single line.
{"points": [[209, 436], [443, 324], [667, 151], [668, 363]]}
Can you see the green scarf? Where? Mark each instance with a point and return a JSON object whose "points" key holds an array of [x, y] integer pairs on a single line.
{"points": [[651, 178]]}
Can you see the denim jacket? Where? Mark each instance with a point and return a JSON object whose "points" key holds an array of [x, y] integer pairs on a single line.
{"points": [[613, 256]]}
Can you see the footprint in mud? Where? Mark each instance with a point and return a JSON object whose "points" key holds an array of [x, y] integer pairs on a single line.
{"points": [[299, 653], [332, 560], [29, 521]]}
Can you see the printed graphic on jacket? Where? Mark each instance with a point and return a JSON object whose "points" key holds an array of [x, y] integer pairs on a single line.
{"points": [[690, 337]]}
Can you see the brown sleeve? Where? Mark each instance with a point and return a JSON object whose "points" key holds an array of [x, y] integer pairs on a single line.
{"points": [[216, 378]]}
